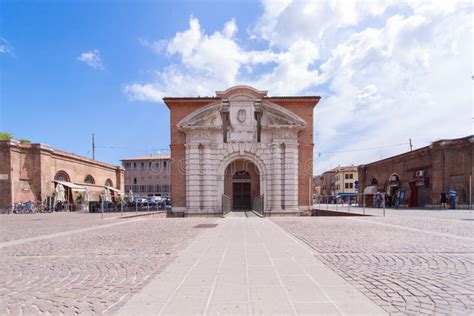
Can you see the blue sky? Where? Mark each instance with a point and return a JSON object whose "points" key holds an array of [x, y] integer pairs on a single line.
{"points": [[386, 71]]}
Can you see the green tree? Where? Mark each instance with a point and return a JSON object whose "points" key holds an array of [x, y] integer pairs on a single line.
{"points": [[6, 135], [25, 141]]}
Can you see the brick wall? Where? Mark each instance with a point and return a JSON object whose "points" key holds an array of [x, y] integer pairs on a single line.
{"points": [[446, 164], [31, 168]]}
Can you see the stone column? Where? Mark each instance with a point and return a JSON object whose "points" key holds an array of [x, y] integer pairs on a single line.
{"points": [[275, 171], [193, 178], [209, 188], [291, 177]]}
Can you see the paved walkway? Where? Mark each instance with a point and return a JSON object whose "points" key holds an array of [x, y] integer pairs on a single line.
{"points": [[391, 212], [248, 265]]}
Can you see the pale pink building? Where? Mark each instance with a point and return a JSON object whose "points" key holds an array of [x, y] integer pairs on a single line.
{"points": [[148, 175]]}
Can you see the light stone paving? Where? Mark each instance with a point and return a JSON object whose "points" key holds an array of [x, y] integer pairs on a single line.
{"points": [[411, 265], [248, 265], [90, 270]]}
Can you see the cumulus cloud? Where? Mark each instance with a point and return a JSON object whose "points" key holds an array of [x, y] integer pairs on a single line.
{"points": [[209, 62], [6, 47], [92, 59], [387, 71]]}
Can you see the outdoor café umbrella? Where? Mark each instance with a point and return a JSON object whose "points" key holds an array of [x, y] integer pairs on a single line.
{"points": [[60, 196]]}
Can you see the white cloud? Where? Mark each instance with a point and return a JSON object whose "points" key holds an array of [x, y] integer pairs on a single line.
{"points": [[92, 59], [6, 47], [387, 71], [209, 62], [407, 79]]}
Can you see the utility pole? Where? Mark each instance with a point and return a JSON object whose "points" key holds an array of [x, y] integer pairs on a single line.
{"points": [[411, 146], [93, 146]]}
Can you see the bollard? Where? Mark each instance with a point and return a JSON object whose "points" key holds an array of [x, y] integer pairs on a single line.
{"points": [[327, 204], [102, 208], [384, 205], [363, 202], [121, 209], [337, 205], [136, 207]]}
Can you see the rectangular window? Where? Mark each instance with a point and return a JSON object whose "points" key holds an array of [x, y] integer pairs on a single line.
{"points": [[158, 188], [142, 188], [351, 176], [351, 185], [134, 165], [142, 165], [347, 185], [165, 164]]}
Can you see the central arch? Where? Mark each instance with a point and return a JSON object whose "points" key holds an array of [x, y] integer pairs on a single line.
{"points": [[233, 167]]}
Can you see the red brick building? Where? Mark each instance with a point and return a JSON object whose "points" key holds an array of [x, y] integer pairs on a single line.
{"points": [[241, 144], [425, 173], [148, 176], [28, 172]]}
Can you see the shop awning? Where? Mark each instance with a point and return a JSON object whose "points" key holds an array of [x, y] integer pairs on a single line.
{"points": [[371, 189], [346, 194], [72, 186], [115, 190]]}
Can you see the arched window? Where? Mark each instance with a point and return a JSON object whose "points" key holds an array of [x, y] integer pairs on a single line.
{"points": [[89, 179], [109, 183], [374, 181], [394, 178], [62, 176]]}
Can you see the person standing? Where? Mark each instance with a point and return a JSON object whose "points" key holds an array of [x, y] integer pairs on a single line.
{"points": [[443, 200], [397, 199], [452, 198]]}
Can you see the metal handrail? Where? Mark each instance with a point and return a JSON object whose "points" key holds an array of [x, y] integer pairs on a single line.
{"points": [[357, 200], [258, 204], [226, 204]]}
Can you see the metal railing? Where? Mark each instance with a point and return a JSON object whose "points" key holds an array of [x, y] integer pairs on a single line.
{"points": [[346, 204], [258, 204], [226, 204]]}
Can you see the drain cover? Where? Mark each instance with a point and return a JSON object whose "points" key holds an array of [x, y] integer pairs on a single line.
{"points": [[205, 226]]}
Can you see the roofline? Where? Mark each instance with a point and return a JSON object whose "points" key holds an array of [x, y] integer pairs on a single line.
{"points": [[315, 97], [148, 158], [424, 148]]}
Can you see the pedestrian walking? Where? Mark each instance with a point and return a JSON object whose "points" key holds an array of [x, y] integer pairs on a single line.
{"points": [[443, 199], [378, 200], [452, 198]]}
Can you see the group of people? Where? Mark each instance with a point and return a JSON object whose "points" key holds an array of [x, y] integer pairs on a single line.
{"points": [[452, 194], [388, 200], [395, 199]]}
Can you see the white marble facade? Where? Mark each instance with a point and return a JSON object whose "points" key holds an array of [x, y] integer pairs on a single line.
{"points": [[241, 125]]}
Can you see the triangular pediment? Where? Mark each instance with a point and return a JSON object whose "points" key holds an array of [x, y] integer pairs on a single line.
{"points": [[275, 116], [208, 117]]}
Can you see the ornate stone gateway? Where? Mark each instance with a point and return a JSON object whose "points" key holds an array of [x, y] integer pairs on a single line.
{"points": [[241, 145]]}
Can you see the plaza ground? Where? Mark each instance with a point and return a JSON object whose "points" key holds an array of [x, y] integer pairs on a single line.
{"points": [[417, 262]]}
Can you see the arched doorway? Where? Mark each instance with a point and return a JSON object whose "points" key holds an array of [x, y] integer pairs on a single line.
{"points": [[241, 188], [242, 184]]}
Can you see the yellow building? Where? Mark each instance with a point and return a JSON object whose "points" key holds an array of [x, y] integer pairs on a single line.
{"points": [[346, 180]]}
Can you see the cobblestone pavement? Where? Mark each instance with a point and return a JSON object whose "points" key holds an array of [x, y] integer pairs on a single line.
{"points": [[404, 271], [88, 272], [20, 226]]}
